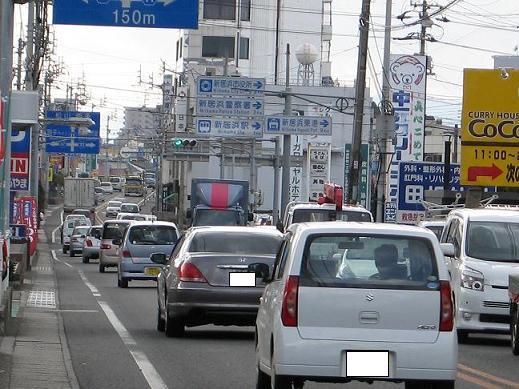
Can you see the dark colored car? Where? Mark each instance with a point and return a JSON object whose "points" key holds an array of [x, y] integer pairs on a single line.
{"points": [[215, 275]]}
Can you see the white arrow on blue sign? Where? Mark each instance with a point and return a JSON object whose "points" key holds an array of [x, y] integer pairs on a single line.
{"points": [[229, 128], [231, 86], [230, 106], [299, 125]]}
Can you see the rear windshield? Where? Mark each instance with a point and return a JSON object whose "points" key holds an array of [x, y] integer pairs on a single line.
{"points": [[114, 230], [80, 230], [129, 208], [150, 235], [115, 180], [114, 204], [83, 212], [326, 215], [235, 243], [105, 184], [363, 261], [133, 181], [131, 217], [95, 232]]}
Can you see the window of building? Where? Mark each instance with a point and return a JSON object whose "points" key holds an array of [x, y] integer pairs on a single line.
{"points": [[181, 44], [245, 10], [325, 51], [327, 14], [244, 48], [223, 46], [218, 46], [220, 9]]}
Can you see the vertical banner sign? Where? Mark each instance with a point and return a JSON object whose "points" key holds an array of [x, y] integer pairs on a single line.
{"points": [[490, 128], [3, 126], [364, 173], [318, 169], [29, 217], [20, 159], [407, 81], [296, 170]]}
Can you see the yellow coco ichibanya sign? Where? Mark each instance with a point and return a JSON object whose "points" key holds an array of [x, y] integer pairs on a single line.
{"points": [[490, 128]]}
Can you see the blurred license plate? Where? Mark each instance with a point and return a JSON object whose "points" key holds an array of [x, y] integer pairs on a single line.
{"points": [[367, 364], [242, 279], [152, 271]]}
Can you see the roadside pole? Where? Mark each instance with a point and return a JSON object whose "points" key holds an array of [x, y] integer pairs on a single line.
{"points": [[29, 86], [275, 205], [285, 178], [360, 86], [252, 177], [386, 127]]}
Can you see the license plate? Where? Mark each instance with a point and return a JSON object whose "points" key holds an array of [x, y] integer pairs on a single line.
{"points": [[152, 271], [367, 364], [242, 279]]}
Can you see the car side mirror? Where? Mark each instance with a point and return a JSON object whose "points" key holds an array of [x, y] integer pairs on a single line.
{"points": [[448, 249], [117, 242], [262, 270], [280, 226], [83, 236], [158, 258]]}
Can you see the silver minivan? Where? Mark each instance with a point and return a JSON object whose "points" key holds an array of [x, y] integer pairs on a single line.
{"points": [[113, 232], [140, 241]]}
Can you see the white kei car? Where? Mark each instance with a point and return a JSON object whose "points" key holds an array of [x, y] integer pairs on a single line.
{"points": [[357, 301]]}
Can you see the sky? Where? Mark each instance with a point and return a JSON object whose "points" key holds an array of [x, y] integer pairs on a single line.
{"points": [[109, 59]]}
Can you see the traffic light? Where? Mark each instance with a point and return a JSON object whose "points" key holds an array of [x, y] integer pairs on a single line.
{"points": [[180, 143]]}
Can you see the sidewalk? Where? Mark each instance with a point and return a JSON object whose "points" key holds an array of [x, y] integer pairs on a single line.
{"points": [[36, 355]]}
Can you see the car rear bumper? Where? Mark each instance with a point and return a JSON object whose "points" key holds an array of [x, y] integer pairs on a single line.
{"points": [[219, 305], [327, 359], [108, 260], [136, 271], [487, 311], [77, 248], [91, 252]]}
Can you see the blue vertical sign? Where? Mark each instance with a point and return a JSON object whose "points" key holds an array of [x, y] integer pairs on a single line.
{"points": [[20, 159], [127, 13]]}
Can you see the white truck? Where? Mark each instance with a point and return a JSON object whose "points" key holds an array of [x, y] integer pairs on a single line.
{"points": [[79, 194]]}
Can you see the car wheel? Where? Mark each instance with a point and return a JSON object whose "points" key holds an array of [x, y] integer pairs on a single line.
{"points": [[86, 259], [515, 333], [262, 379], [174, 327], [64, 250], [463, 336], [280, 382], [101, 268], [122, 282], [161, 323], [71, 253]]}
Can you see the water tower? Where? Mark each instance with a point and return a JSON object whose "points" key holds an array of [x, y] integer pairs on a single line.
{"points": [[306, 55]]}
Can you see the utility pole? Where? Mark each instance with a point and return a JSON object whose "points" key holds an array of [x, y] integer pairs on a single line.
{"points": [[353, 183], [285, 177], [252, 177], [19, 52], [107, 169], [423, 30], [275, 205], [386, 106]]}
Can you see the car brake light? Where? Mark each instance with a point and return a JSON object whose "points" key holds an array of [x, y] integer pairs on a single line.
{"points": [[289, 305], [127, 254], [447, 309], [88, 243], [189, 272], [105, 246]]}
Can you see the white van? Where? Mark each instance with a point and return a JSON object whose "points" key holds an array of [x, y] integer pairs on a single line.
{"points": [[117, 183], [482, 250]]}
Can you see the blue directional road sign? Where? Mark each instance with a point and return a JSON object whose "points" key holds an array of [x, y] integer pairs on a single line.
{"points": [[127, 13], [72, 146], [230, 106], [229, 128], [299, 125], [72, 138], [231, 86]]}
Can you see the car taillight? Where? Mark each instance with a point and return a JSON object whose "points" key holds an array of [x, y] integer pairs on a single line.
{"points": [[105, 246], [190, 273], [126, 254], [289, 305], [447, 309], [88, 243]]}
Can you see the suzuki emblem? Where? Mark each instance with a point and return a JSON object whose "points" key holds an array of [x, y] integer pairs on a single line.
{"points": [[369, 297], [242, 260]]}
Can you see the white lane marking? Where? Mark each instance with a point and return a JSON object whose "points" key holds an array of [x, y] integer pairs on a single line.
{"points": [[90, 286], [55, 257], [54, 234], [150, 373], [61, 216]]}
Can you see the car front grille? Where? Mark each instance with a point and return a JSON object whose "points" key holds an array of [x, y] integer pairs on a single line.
{"points": [[486, 318], [496, 304]]}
